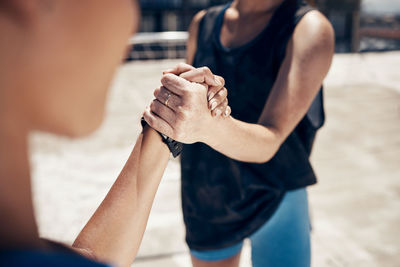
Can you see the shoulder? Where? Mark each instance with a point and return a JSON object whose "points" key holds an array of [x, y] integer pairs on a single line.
{"points": [[313, 34], [194, 25], [191, 44]]}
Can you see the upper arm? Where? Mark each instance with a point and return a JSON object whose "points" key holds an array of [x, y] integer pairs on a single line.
{"points": [[307, 61], [191, 45]]}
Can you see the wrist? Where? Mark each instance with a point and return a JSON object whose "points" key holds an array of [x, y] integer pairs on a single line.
{"points": [[150, 132], [174, 147], [215, 130]]}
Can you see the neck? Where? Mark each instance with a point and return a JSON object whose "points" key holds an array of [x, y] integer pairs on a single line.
{"points": [[18, 226], [256, 6]]}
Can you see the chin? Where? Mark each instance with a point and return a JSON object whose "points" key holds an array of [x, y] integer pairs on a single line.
{"points": [[82, 127]]}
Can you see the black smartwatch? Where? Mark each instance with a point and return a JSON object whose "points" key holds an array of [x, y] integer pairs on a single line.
{"points": [[174, 146]]}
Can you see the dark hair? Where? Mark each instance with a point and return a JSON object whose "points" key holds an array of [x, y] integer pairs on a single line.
{"points": [[311, 2]]}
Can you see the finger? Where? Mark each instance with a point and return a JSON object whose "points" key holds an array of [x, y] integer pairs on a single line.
{"points": [[220, 109], [162, 94], [163, 112], [205, 85], [157, 123], [227, 111], [180, 68], [220, 79], [175, 84], [220, 97], [202, 75], [214, 89]]}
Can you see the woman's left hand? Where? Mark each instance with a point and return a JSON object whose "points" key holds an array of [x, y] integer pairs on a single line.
{"points": [[217, 93]]}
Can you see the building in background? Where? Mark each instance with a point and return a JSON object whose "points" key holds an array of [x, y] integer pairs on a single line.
{"points": [[164, 24]]}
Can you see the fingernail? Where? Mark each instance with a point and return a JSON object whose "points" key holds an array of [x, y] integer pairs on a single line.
{"points": [[226, 113], [210, 95], [213, 105], [218, 112]]}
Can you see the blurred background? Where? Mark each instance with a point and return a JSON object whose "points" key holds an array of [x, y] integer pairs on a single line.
{"points": [[355, 207], [360, 25]]}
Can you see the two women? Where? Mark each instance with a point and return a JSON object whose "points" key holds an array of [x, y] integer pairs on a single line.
{"points": [[242, 176]]}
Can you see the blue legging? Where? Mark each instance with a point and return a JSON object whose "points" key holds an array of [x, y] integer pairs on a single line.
{"points": [[283, 241]]}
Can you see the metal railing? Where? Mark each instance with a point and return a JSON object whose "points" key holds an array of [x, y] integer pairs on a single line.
{"points": [[158, 45]]}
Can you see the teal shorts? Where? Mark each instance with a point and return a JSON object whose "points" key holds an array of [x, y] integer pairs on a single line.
{"points": [[283, 241]]}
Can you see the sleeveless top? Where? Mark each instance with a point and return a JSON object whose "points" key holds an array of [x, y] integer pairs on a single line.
{"points": [[59, 255], [225, 200]]}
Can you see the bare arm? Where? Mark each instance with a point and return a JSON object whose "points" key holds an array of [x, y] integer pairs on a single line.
{"points": [[307, 61], [114, 232]]}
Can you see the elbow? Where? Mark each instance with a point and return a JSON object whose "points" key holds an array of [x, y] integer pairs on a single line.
{"points": [[265, 157], [262, 160], [85, 252], [91, 255], [269, 149]]}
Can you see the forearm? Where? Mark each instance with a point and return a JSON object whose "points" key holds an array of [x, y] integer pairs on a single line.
{"points": [[244, 141], [115, 231]]}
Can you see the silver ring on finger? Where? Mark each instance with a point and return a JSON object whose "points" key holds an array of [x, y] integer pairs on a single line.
{"points": [[167, 99]]}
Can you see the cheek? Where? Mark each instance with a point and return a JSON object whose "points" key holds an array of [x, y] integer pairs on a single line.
{"points": [[78, 62], [103, 51]]}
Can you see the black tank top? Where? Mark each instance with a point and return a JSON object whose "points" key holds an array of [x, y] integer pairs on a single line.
{"points": [[225, 200]]}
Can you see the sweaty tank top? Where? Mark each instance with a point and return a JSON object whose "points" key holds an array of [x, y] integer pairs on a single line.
{"points": [[225, 200]]}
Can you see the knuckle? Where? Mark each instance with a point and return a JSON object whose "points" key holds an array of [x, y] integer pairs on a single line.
{"points": [[153, 105], [206, 70], [225, 92], [166, 79], [222, 80], [150, 121], [181, 65], [213, 89], [180, 108], [157, 94], [182, 116], [222, 93]]}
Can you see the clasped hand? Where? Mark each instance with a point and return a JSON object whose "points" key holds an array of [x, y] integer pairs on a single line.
{"points": [[188, 104]]}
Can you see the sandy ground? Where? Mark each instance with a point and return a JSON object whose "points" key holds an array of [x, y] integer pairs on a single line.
{"points": [[355, 207]]}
